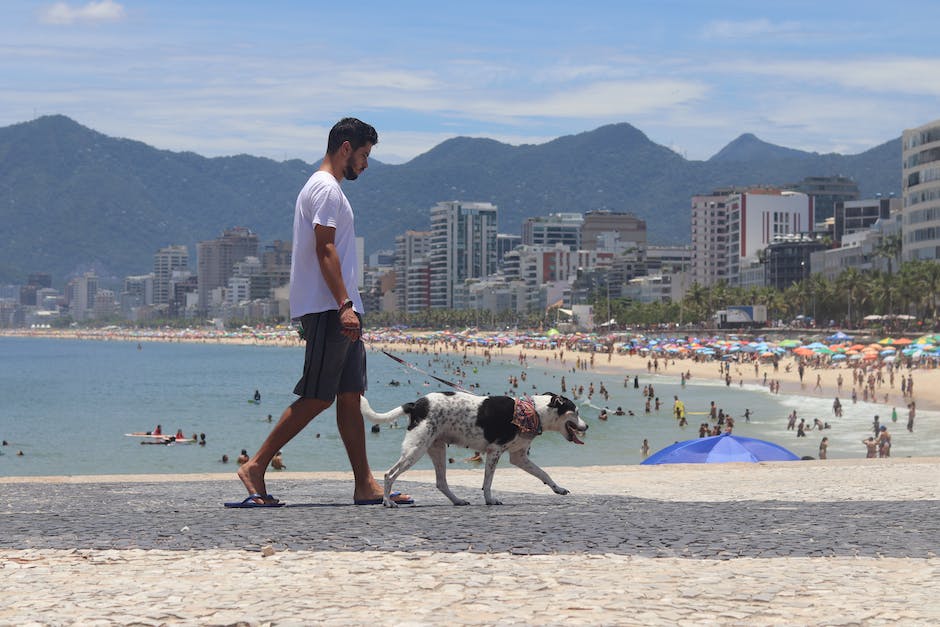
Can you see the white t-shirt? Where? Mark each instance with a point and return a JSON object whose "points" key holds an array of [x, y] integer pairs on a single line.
{"points": [[323, 202]]}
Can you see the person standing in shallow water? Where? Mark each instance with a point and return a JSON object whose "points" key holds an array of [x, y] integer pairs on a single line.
{"points": [[325, 298]]}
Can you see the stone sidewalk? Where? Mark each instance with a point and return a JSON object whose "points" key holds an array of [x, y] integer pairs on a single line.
{"points": [[840, 542]]}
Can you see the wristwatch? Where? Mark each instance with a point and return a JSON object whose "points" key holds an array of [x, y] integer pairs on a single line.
{"points": [[347, 304]]}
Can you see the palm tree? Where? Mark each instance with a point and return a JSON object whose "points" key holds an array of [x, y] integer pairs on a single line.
{"points": [[849, 282], [695, 303], [886, 292], [890, 248], [927, 273]]}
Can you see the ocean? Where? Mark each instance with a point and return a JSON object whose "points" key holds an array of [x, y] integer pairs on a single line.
{"points": [[67, 405]]}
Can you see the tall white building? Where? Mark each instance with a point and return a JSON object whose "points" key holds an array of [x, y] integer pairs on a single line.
{"points": [[81, 293], [730, 227], [165, 262], [412, 268], [756, 217], [463, 246], [920, 188]]}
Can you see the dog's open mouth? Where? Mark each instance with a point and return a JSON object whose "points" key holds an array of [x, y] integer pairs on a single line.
{"points": [[574, 434]]}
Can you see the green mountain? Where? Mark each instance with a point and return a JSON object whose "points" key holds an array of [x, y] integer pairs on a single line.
{"points": [[72, 198]]}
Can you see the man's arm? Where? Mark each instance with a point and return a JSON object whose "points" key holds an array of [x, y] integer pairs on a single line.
{"points": [[332, 271]]}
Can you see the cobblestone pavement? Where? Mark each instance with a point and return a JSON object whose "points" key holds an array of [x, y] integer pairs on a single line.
{"points": [[799, 543]]}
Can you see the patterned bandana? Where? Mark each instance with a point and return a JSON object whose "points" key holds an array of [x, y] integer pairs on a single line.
{"points": [[526, 418]]}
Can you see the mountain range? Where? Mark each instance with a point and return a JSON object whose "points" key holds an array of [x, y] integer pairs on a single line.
{"points": [[73, 199]]}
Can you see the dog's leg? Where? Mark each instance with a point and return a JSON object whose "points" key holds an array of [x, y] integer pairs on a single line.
{"points": [[492, 458], [438, 454], [521, 460], [414, 445]]}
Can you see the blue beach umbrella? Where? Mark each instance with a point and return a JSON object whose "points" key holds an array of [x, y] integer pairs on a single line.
{"points": [[720, 448]]}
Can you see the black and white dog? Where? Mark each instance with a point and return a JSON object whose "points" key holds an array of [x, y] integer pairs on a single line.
{"points": [[492, 424]]}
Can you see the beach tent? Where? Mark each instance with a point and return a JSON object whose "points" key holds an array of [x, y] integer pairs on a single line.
{"points": [[720, 448]]}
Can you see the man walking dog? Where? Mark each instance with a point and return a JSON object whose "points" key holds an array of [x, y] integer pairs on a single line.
{"points": [[325, 298]]}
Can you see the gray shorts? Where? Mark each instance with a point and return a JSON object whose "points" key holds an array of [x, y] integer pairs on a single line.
{"points": [[332, 363]]}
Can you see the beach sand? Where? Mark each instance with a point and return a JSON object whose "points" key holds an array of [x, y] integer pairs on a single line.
{"points": [[808, 543]]}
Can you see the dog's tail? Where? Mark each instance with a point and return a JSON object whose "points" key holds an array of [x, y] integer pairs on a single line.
{"points": [[371, 415]]}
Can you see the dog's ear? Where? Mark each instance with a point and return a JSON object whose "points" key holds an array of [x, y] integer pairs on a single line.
{"points": [[554, 400]]}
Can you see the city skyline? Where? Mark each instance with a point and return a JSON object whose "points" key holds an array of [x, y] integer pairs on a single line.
{"points": [[244, 78]]}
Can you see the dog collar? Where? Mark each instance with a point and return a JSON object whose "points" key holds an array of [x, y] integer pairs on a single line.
{"points": [[526, 418]]}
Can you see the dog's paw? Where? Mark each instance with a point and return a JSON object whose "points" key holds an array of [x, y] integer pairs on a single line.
{"points": [[389, 503], [559, 490], [494, 502], [461, 502]]}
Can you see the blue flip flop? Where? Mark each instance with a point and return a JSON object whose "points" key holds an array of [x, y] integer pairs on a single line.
{"points": [[379, 500], [250, 503]]}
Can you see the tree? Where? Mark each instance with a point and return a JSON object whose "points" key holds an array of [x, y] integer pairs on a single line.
{"points": [[890, 248], [849, 282]]}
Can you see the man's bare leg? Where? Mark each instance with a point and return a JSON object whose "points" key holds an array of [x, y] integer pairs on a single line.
{"points": [[297, 416], [353, 432]]}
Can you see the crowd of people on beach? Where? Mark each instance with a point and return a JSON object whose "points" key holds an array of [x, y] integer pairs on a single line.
{"points": [[872, 380]]}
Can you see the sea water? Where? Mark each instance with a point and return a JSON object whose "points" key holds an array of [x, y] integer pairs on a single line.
{"points": [[67, 404]]}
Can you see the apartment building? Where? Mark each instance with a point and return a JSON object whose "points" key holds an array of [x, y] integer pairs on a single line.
{"points": [[463, 246], [920, 190]]}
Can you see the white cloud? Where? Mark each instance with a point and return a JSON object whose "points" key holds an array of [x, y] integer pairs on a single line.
{"points": [[616, 98], [92, 12], [749, 29], [898, 75]]}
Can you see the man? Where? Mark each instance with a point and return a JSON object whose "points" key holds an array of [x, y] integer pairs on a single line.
{"points": [[325, 298]]}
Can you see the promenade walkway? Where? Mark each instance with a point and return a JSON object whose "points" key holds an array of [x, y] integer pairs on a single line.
{"points": [[843, 542]]}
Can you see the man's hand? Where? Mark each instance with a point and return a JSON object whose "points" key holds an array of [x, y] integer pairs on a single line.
{"points": [[349, 323]]}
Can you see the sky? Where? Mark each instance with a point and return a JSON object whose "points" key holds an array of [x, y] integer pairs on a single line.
{"points": [[270, 78]]}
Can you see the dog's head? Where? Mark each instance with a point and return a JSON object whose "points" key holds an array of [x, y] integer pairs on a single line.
{"points": [[560, 414]]}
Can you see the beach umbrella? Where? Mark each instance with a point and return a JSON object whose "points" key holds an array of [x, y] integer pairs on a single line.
{"points": [[886, 341], [838, 357], [903, 341], [839, 336], [720, 448], [789, 343]]}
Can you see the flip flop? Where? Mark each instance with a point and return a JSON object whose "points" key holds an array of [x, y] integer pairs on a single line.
{"points": [[249, 502], [379, 500]]}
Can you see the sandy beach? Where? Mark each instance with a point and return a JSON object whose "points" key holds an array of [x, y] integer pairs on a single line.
{"points": [[849, 542]]}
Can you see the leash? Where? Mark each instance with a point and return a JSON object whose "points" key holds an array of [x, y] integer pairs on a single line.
{"points": [[456, 386]]}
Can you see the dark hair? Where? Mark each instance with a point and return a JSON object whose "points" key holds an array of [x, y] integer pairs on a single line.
{"points": [[353, 130]]}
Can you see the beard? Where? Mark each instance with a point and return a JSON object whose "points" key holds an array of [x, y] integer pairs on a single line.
{"points": [[349, 173]]}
